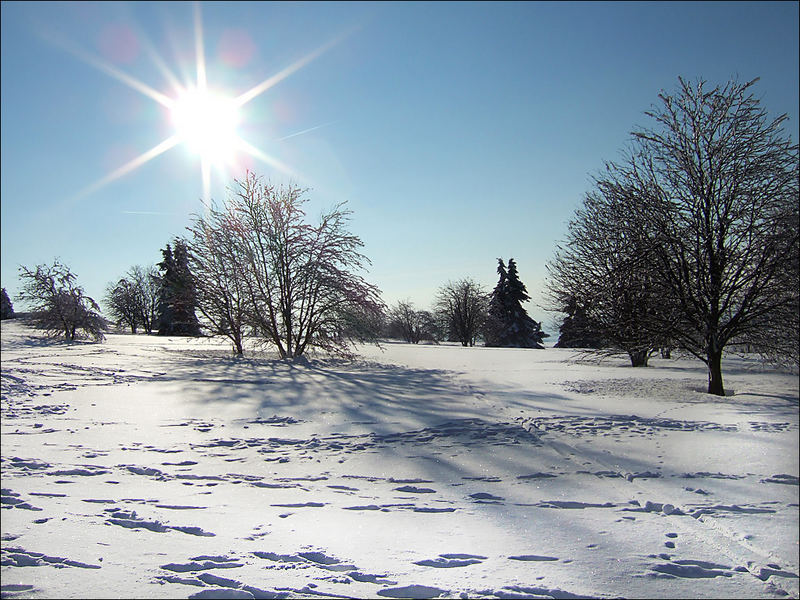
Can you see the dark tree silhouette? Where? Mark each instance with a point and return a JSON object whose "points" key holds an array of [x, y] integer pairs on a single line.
{"points": [[177, 297], [6, 308], [508, 324], [577, 330]]}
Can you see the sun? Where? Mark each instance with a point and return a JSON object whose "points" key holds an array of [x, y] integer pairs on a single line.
{"points": [[206, 122]]}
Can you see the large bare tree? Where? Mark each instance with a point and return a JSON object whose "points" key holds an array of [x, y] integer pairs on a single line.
{"points": [[714, 183], [216, 250], [301, 282]]}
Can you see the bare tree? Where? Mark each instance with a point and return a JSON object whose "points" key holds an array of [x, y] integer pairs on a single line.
{"points": [[146, 282], [300, 281], [412, 325], [463, 306], [59, 304], [124, 303], [715, 182], [606, 267], [133, 299], [216, 248]]}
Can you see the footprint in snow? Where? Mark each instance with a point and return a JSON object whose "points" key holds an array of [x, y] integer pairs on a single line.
{"points": [[693, 569], [203, 563], [483, 496], [447, 561], [782, 478], [17, 557], [413, 591], [370, 578], [532, 557], [410, 489]]}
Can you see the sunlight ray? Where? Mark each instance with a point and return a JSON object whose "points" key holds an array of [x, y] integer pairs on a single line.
{"points": [[294, 67], [267, 159], [137, 162], [205, 172], [112, 71], [161, 65], [200, 56]]}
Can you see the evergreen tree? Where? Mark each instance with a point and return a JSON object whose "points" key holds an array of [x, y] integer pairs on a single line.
{"points": [[167, 268], [177, 297], [508, 324], [6, 308], [497, 314], [577, 330]]}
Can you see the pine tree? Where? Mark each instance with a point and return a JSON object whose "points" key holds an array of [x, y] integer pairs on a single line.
{"points": [[6, 308], [577, 330], [496, 319], [165, 314], [509, 325], [185, 301], [177, 298]]}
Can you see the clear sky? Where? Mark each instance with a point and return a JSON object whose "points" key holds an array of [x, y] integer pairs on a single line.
{"points": [[457, 132]]}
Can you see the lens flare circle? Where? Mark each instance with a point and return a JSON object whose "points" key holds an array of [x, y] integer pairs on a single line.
{"points": [[206, 122]]}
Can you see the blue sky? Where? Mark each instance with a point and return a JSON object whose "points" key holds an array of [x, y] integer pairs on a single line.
{"points": [[457, 132]]}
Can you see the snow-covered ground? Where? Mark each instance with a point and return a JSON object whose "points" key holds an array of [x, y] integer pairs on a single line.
{"points": [[155, 467]]}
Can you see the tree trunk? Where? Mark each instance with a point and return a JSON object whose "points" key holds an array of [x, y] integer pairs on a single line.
{"points": [[715, 373], [638, 357]]}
